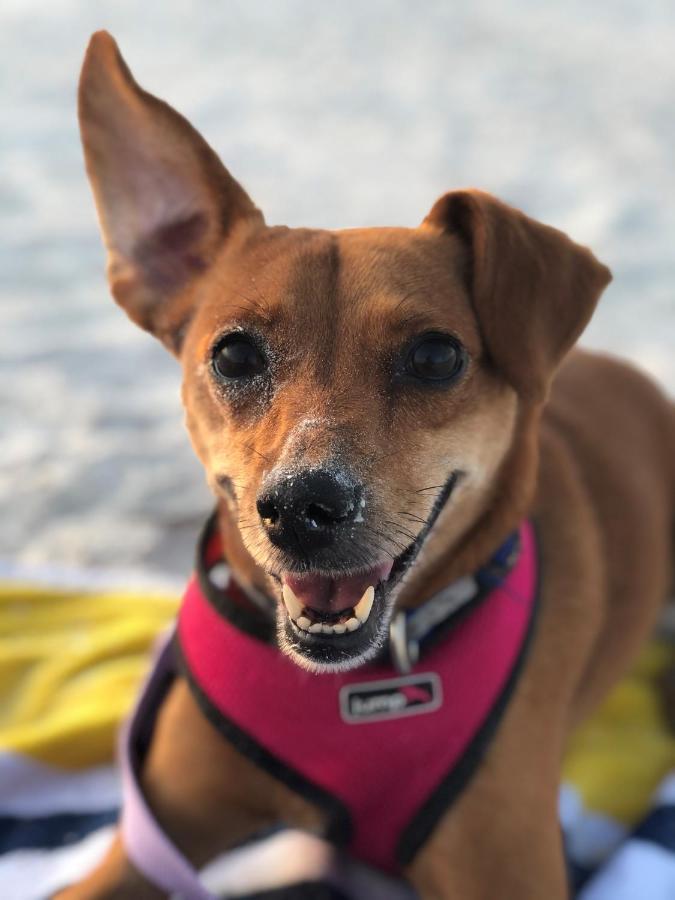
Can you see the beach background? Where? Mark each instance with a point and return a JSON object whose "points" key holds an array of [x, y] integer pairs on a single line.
{"points": [[331, 115]]}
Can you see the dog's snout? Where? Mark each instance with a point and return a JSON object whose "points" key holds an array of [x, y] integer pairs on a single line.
{"points": [[309, 507]]}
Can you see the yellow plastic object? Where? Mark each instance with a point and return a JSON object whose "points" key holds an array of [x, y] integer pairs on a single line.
{"points": [[617, 759], [70, 665]]}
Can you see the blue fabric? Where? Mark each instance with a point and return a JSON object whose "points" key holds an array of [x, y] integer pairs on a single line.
{"points": [[630, 863], [49, 832], [659, 827], [493, 572]]}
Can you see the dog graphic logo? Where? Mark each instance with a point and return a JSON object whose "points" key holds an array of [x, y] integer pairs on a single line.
{"points": [[391, 698]]}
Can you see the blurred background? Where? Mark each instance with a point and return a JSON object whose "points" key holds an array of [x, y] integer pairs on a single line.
{"points": [[331, 115]]}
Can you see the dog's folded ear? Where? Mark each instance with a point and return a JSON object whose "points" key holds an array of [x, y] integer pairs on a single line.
{"points": [[166, 203], [533, 289]]}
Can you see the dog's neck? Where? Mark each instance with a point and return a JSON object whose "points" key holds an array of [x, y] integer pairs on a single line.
{"points": [[485, 527]]}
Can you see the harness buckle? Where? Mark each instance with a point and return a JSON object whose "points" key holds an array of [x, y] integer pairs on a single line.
{"points": [[404, 649]]}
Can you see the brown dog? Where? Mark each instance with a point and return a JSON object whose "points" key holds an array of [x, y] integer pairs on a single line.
{"points": [[399, 364]]}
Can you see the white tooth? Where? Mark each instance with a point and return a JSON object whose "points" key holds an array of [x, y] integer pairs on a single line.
{"points": [[340, 628], [327, 629], [304, 622], [365, 604], [352, 624], [315, 628], [293, 605]]}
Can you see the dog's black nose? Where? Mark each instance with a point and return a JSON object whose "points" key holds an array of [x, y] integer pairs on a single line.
{"points": [[308, 508]]}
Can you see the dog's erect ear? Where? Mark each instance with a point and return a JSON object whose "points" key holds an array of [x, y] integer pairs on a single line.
{"points": [[533, 289], [165, 201]]}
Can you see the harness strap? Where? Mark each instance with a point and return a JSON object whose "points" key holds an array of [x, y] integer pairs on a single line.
{"points": [[148, 848]]}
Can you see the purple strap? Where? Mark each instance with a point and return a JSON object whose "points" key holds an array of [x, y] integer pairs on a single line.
{"points": [[146, 845]]}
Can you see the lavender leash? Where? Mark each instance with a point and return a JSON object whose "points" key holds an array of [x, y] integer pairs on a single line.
{"points": [[146, 845]]}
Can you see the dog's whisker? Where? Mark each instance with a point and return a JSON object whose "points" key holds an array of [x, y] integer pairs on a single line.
{"points": [[403, 301], [398, 546], [412, 516], [399, 527], [263, 302], [257, 452], [254, 307]]}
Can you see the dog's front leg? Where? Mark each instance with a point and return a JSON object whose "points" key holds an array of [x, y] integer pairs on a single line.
{"points": [[495, 843], [512, 867], [205, 795], [501, 837]]}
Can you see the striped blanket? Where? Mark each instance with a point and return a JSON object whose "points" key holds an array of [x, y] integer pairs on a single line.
{"points": [[70, 664]]}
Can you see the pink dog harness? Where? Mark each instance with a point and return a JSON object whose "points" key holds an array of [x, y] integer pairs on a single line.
{"points": [[383, 754]]}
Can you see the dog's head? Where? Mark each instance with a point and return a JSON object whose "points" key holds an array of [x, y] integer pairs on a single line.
{"points": [[351, 394]]}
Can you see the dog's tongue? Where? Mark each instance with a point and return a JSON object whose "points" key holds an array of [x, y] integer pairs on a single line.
{"points": [[334, 595]]}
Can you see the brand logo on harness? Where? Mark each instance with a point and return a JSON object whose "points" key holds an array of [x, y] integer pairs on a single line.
{"points": [[392, 698]]}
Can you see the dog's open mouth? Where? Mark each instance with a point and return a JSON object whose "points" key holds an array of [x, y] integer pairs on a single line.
{"points": [[319, 604], [335, 621]]}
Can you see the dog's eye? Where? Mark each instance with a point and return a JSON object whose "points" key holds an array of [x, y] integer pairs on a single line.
{"points": [[435, 357], [236, 356]]}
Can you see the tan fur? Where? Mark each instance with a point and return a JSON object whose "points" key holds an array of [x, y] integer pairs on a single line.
{"points": [[592, 462]]}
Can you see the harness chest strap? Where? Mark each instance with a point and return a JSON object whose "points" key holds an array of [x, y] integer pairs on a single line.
{"points": [[382, 754]]}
